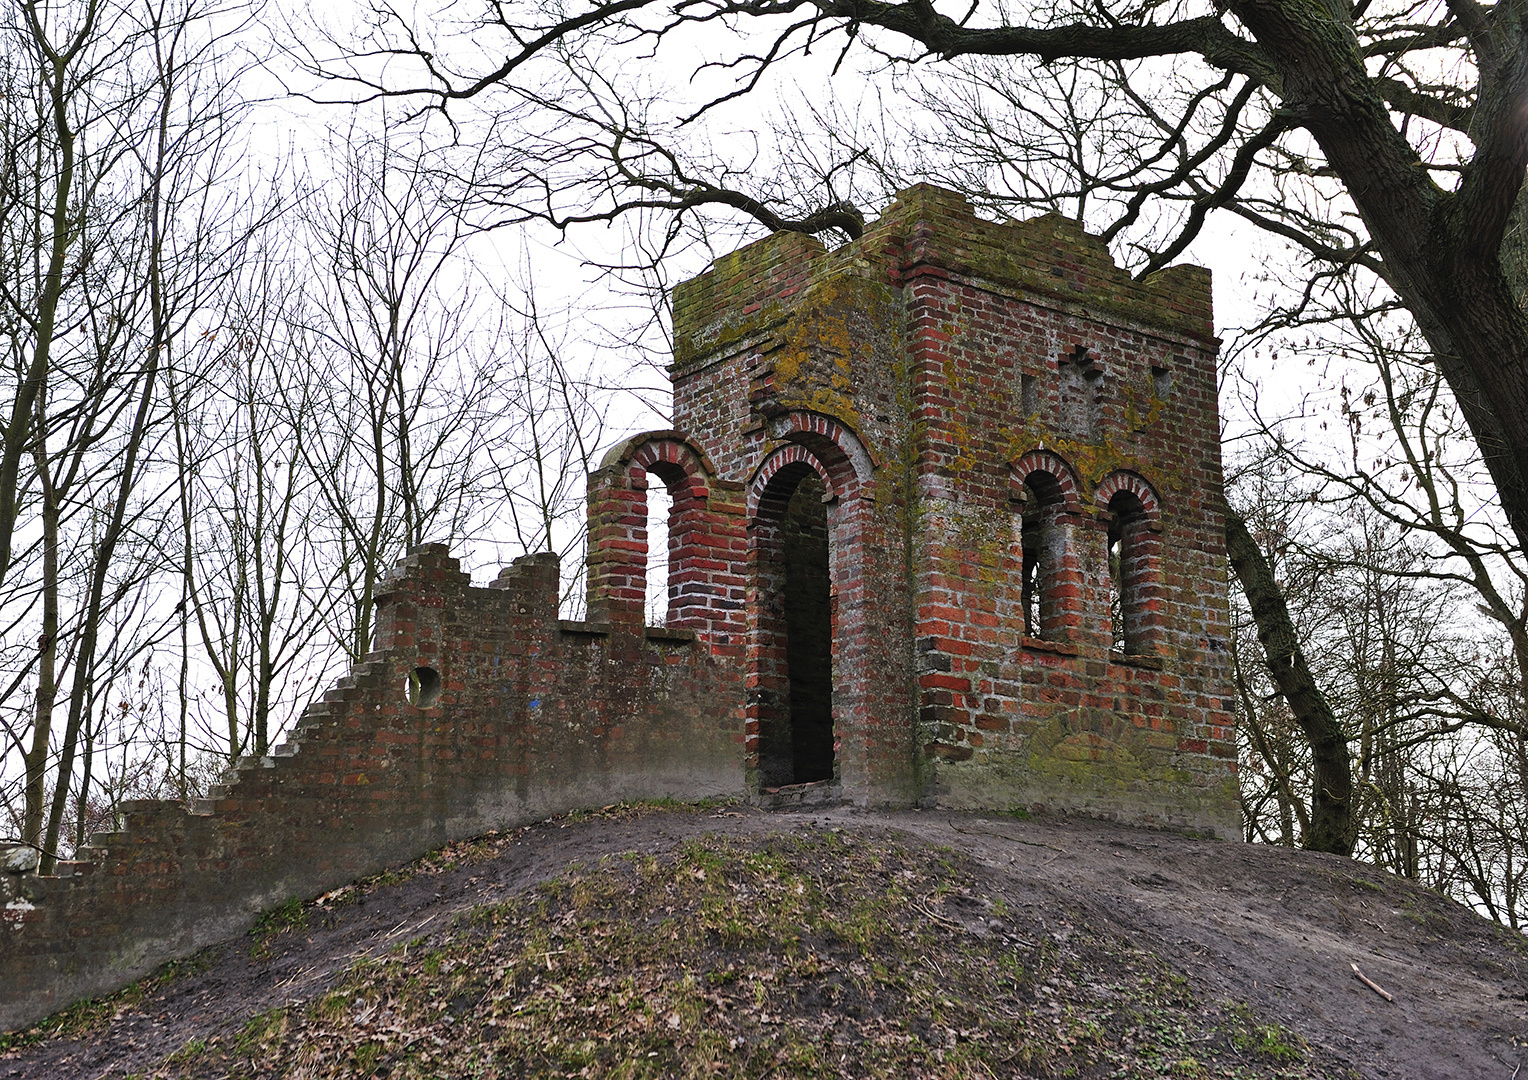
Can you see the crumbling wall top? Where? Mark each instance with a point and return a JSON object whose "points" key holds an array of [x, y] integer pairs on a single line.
{"points": [[928, 229]]}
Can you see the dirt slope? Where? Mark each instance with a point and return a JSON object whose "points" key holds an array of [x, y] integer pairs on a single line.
{"points": [[1240, 957]]}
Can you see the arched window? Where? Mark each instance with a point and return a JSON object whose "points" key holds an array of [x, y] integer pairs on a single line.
{"points": [[660, 505], [648, 528], [1132, 573], [1044, 547]]}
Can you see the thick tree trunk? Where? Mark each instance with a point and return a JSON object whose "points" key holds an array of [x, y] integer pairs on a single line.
{"points": [[1440, 248], [1331, 819]]}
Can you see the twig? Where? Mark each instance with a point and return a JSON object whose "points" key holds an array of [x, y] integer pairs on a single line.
{"points": [[394, 931], [300, 973], [1370, 983], [937, 917]]}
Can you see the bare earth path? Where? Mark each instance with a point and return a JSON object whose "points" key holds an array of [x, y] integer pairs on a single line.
{"points": [[1276, 929]]}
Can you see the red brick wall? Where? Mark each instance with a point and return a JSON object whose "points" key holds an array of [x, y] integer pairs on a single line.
{"points": [[534, 717], [944, 377]]}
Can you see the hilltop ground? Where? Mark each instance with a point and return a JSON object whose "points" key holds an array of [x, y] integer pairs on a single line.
{"points": [[735, 942]]}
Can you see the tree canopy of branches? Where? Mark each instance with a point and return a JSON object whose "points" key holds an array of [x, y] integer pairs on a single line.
{"points": [[1411, 110], [233, 399]]}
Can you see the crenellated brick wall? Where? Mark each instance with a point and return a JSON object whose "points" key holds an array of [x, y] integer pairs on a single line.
{"points": [[532, 717], [958, 384], [947, 529]]}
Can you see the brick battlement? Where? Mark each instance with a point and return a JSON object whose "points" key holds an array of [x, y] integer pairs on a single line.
{"points": [[929, 230], [946, 530], [478, 709]]}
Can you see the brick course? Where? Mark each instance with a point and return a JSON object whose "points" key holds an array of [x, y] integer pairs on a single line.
{"points": [[962, 390]]}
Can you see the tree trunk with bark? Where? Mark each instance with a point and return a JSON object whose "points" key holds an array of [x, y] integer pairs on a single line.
{"points": [[1331, 819]]}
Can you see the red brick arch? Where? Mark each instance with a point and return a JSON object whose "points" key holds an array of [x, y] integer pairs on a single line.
{"points": [[1135, 484], [1142, 605], [1051, 464], [680, 464], [783, 458], [706, 538], [1052, 594], [846, 464]]}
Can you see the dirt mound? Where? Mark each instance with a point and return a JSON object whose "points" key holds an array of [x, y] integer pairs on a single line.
{"points": [[735, 942]]}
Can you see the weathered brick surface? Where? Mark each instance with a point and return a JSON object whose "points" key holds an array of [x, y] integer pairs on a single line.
{"points": [[534, 717], [986, 407], [957, 384]]}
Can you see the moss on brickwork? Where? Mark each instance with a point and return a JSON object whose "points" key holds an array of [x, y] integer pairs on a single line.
{"points": [[751, 290], [1061, 766], [825, 346]]}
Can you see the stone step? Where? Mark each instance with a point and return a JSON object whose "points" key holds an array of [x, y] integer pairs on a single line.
{"points": [[815, 794]]}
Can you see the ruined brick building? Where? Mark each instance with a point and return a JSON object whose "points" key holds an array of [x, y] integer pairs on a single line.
{"points": [[946, 530]]}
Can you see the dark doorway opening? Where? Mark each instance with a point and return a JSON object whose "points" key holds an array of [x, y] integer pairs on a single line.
{"points": [[792, 697], [809, 632]]}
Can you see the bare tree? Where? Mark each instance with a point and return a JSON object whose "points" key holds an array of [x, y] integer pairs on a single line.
{"points": [[1410, 113], [394, 399], [110, 203], [1408, 591], [258, 583]]}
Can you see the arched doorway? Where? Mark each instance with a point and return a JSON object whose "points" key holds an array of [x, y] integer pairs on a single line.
{"points": [[792, 698]]}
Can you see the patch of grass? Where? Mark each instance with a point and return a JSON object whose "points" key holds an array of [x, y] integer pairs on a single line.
{"points": [[800, 955], [1271, 1041], [1358, 884], [331, 1007], [1414, 906], [260, 1033], [287, 917], [280, 919], [193, 1049], [366, 1057]]}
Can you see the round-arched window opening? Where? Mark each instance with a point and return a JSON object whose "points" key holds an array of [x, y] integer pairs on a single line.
{"points": [[424, 688]]}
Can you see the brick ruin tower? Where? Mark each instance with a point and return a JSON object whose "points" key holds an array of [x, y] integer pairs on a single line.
{"points": [[964, 534], [946, 531]]}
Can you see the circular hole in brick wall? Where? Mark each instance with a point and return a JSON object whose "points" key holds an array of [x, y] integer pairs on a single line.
{"points": [[424, 687]]}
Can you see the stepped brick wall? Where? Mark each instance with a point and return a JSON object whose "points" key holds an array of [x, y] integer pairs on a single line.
{"points": [[946, 529], [530, 717]]}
